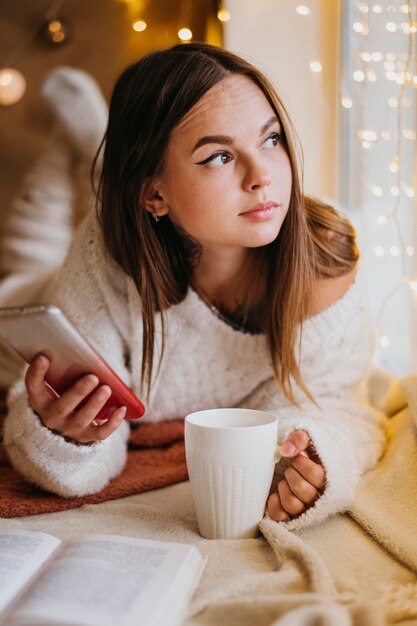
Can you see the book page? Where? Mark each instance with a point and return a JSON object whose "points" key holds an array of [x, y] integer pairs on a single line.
{"points": [[100, 579], [22, 553]]}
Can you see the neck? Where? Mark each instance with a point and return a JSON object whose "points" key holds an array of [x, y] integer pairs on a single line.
{"points": [[222, 276]]}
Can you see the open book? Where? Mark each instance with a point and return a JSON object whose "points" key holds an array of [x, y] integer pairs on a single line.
{"points": [[96, 580]]}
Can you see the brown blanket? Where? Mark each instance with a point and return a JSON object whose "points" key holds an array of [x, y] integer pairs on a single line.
{"points": [[156, 459]]}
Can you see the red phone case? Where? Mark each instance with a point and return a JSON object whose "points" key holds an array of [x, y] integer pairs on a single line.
{"points": [[44, 329]]}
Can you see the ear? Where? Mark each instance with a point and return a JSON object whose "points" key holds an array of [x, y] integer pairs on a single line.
{"points": [[152, 199]]}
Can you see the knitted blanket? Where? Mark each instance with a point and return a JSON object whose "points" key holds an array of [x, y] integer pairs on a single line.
{"points": [[156, 458]]}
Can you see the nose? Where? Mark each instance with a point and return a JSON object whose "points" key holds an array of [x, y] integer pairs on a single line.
{"points": [[257, 175]]}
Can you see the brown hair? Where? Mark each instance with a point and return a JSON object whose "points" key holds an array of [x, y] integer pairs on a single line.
{"points": [[149, 100]]}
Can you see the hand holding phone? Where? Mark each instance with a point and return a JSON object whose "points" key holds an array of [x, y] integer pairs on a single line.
{"points": [[74, 414], [71, 387]]}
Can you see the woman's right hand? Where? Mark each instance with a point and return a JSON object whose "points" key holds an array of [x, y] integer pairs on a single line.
{"points": [[61, 415]]}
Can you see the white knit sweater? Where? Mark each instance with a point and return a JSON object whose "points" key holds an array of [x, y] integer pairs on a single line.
{"points": [[206, 364]]}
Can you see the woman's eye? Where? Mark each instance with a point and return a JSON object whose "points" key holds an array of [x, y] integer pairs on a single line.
{"points": [[220, 158], [273, 139]]}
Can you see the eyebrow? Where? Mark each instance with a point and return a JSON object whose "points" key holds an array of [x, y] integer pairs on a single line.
{"points": [[226, 139]]}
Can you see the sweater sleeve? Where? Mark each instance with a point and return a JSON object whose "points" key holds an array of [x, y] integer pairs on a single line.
{"points": [[40, 455], [347, 433]]}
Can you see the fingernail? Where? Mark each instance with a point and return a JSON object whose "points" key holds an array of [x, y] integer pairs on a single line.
{"points": [[90, 382], [103, 392], [122, 412], [288, 448]]}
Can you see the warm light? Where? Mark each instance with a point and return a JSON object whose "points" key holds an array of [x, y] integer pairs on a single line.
{"points": [[381, 220], [395, 191], [370, 75], [363, 8], [379, 251], [12, 86], [5, 78], [404, 8], [413, 285], [377, 191], [410, 250], [366, 56], [366, 145], [55, 30], [359, 76], [58, 37], [358, 27], [54, 26], [368, 135], [377, 56], [390, 56], [391, 27], [384, 341], [315, 66], [347, 102], [409, 134], [409, 191], [392, 102], [394, 167], [139, 26], [389, 66], [223, 15], [377, 8], [185, 34], [386, 135], [302, 9]]}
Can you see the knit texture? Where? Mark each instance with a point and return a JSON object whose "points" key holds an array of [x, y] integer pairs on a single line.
{"points": [[206, 364]]}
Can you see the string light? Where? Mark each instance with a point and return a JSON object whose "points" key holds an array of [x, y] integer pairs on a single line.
{"points": [[56, 31], [316, 66], [185, 34], [139, 25], [358, 75], [223, 15], [302, 9], [12, 86], [400, 75]]}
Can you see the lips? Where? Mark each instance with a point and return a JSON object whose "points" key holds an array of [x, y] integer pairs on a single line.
{"points": [[261, 206]]}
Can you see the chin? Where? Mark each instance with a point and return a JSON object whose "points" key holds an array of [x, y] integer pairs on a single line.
{"points": [[263, 238]]}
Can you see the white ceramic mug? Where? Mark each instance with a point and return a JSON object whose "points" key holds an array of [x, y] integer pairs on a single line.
{"points": [[231, 454]]}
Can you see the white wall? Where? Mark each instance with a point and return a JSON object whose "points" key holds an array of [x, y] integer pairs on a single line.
{"points": [[275, 38]]}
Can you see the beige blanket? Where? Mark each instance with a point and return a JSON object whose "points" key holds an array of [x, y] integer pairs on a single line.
{"points": [[358, 569]]}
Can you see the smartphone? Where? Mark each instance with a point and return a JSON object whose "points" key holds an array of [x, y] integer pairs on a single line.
{"points": [[44, 329]]}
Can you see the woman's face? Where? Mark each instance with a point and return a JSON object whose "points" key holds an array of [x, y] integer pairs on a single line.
{"points": [[226, 179]]}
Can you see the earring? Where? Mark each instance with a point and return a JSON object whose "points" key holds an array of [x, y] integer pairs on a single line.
{"points": [[155, 217]]}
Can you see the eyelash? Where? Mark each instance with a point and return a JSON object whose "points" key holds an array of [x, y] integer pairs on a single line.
{"points": [[211, 158]]}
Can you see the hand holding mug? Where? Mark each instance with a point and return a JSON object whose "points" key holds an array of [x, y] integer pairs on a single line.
{"points": [[303, 480]]}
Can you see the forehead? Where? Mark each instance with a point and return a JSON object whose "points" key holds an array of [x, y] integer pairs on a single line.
{"points": [[229, 105]]}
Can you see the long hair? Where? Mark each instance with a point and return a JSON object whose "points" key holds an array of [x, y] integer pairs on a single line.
{"points": [[149, 99]]}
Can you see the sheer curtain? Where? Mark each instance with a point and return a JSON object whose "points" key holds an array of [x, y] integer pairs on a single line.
{"points": [[378, 90]]}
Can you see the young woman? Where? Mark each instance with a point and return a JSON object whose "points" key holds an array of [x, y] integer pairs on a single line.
{"points": [[209, 280]]}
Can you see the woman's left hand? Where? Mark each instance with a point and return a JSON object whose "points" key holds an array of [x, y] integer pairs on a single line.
{"points": [[302, 483]]}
